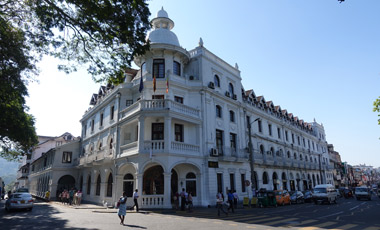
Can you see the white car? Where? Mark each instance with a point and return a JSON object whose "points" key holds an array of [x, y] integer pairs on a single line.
{"points": [[19, 201]]}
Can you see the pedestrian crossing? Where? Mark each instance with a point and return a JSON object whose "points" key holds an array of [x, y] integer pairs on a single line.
{"points": [[252, 221]]}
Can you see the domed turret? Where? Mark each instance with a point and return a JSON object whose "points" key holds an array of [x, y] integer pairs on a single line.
{"points": [[161, 33]]}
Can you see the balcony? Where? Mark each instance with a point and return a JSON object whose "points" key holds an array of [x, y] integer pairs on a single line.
{"points": [[160, 105]]}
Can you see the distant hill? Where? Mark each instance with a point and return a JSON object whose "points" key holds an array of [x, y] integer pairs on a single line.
{"points": [[8, 170]]}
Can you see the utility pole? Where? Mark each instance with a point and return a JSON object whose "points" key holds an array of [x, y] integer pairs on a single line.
{"points": [[250, 146]]}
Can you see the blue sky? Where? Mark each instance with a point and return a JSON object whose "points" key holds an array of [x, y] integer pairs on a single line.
{"points": [[317, 59]]}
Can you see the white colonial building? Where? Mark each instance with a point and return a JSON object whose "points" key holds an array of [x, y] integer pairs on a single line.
{"points": [[181, 121], [188, 128]]}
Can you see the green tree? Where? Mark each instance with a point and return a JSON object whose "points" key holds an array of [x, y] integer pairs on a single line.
{"points": [[376, 108], [105, 35], [17, 132]]}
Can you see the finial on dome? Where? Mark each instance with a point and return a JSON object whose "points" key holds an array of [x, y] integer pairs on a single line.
{"points": [[236, 66], [162, 13], [200, 42]]}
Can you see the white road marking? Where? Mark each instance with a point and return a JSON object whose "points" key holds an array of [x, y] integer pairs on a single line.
{"points": [[332, 214]]}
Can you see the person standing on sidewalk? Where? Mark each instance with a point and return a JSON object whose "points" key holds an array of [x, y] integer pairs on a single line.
{"points": [[236, 198], [135, 197], [79, 197], [183, 199]]}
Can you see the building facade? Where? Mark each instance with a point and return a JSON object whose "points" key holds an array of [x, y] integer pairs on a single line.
{"points": [[181, 122]]}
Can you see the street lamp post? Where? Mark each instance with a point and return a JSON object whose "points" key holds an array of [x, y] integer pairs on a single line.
{"points": [[250, 146]]}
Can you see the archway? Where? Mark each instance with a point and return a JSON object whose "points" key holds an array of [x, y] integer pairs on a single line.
{"points": [[65, 182], [284, 182], [153, 181]]}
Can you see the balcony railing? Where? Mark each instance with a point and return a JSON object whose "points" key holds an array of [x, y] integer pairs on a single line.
{"points": [[159, 105], [152, 201]]}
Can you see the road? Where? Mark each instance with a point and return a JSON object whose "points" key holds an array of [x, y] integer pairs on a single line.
{"points": [[347, 214]]}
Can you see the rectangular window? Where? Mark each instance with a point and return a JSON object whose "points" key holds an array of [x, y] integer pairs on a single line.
{"points": [[232, 182], [298, 140], [233, 142], [85, 130], [176, 68], [308, 143], [242, 176], [232, 116], [293, 138], [248, 121], [259, 126], [304, 143], [279, 133], [219, 178], [178, 99], [112, 112], [101, 119], [270, 129], [158, 97], [286, 136], [128, 103], [313, 146], [157, 131], [178, 132], [159, 68], [66, 157], [219, 141], [92, 125]]}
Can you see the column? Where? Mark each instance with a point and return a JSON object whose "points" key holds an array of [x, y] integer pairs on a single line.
{"points": [[167, 133], [167, 191], [139, 186], [118, 186], [141, 127]]}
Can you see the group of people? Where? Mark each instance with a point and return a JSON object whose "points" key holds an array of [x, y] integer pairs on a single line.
{"points": [[232, 200], [186, 200], [71, 197]]}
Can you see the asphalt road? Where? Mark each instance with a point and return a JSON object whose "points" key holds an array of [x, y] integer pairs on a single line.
{"points": [[347, 214]]}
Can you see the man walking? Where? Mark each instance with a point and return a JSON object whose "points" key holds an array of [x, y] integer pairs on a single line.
{"points": [[135, 197], [231, 201], [219, 203]]}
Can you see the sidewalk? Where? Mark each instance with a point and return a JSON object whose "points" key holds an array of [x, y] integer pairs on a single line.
{"points": [[94, 207]]}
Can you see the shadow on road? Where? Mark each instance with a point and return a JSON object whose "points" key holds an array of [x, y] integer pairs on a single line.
{"points": [[41, 217]]}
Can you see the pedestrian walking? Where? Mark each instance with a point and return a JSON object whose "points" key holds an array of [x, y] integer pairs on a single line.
{"points": [[135, 197], [183, 199], [236, 198], [230, 201], [47, 196], [122, 205], [190, 202], [176, 200], [219, 203], [67, 198], [71, 196], [79, 197]]}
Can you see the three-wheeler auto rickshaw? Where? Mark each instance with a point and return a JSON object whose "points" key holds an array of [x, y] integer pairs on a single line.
{"points": [[266, 198]]}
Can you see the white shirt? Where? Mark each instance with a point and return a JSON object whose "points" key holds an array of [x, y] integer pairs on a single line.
{"points": [[135, 195]]}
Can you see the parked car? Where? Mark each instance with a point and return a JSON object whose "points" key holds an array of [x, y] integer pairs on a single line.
{"points": [[282, 197], [362, 192], [19, 201], [347, 193], [324, 193], [308, 196], [297, 197]]}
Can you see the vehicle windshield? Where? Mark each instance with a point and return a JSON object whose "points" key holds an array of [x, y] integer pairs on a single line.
{"points": [[361, 190], [25, 196], [278, 193], [319, 190]]}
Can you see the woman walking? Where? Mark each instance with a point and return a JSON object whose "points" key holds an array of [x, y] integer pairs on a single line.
{"points": [[122, 207]]}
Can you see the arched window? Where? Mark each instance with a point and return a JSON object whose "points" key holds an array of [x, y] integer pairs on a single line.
{"points": [[216, 80], [128, 184], [232, 116], [231, 89], [271, 151], [89, 185], [191, 183], [98, 182], [300, 157], [109, 185], [262, 150], [311, 159], [295, 156], [288, 153], [218, 110], [306, 158], [265, 178]]}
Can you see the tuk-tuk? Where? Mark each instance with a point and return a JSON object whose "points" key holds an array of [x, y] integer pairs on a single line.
{"points": [[266, 198]]}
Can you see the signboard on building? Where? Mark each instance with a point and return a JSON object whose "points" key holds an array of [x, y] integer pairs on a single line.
{"points": [[213, 164]]}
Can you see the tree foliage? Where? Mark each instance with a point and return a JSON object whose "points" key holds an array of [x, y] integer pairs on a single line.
{"points": [[376, 108], [104, 35]]}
